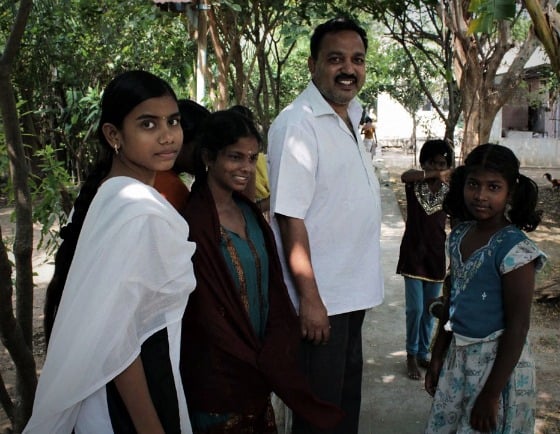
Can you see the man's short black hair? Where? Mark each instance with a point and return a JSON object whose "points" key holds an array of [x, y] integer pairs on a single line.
{"points": [[335, 25]]}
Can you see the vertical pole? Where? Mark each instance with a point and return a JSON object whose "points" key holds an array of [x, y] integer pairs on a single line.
{"points": [[202, 50]]}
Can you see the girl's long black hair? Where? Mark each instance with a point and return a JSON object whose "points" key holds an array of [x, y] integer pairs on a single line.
{"points": [[496, 158], [123, 93]]}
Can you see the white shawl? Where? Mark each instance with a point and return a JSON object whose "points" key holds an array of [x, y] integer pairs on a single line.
{"points": [[130, 277]]}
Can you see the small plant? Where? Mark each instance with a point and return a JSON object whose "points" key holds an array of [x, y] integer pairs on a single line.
{"points": [[53, 195]]}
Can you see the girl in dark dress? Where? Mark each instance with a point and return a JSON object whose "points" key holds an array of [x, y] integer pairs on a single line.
{"points": [[422, 252]]}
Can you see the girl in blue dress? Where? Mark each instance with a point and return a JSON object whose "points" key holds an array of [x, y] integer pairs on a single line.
{"points": [[482, 375]]}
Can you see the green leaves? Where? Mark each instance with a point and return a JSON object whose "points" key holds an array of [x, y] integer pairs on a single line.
{"points": [[488, 12]]}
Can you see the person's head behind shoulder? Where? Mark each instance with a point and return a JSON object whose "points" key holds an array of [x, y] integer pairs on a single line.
{"points": [[337, 60], [192, 117]]}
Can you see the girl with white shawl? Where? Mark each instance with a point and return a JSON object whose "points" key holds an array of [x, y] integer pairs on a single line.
{"points": [[112, 364]]}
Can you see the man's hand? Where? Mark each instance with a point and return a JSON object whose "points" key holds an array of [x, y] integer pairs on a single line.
{"points": [[313, 315], [314, 321]]}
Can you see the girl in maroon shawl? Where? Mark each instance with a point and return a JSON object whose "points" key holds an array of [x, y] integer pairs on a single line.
{"points": [[240, 333]]}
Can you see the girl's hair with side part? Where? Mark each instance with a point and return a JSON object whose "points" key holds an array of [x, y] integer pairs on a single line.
{"points": [[220, 129], [120, 97], [435, 147], [243, 110], [500, 159]]}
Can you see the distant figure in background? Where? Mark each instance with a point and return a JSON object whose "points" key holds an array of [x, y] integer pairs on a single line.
{"points": [[368, 130], [169, 182], [422, 252]]}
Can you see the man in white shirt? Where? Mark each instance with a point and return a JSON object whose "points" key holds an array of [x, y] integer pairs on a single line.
{"points": [[327, 216]]}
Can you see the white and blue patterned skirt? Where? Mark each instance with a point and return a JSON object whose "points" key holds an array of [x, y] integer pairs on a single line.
{"points": [[463, 376]]}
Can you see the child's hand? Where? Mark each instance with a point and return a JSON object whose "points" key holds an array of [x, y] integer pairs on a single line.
{"points": [[432, 375], [445, 175], [484, 414]]}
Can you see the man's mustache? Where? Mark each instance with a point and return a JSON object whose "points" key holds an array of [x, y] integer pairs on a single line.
{"points": [[346, 77]]}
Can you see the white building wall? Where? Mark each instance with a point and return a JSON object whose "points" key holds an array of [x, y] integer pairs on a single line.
{"points": [[393, 121], [394, 124], [531, 151], [394, 128]]}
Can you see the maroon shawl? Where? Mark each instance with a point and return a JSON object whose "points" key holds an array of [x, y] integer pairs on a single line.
{"points": [[225, 367]]}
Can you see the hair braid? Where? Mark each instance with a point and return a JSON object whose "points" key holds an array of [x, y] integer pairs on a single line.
{"points": [[523, 212], [70, 234]]}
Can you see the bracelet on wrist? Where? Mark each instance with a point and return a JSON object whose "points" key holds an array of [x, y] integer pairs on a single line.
{"points": [[434, 305]]}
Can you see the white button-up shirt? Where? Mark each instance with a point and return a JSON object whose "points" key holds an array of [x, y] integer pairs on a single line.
{"points": [[320, 172]]}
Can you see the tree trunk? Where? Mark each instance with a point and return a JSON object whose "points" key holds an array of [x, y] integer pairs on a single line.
{"points": [[17, 332], [477, 60], [546, 22], [413, 135], [222, 61]]}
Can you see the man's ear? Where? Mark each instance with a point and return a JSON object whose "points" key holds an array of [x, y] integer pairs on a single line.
{"points": [[311, 65]]}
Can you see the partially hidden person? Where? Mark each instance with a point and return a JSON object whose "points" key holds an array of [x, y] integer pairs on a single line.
{"points": [[122, 278], [240, 331], [422, 260], [482, 374], [262, 186], [368, 130], [326, 216], [169, 183]]}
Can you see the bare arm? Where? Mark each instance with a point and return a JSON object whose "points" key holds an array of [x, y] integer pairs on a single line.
{"points": [[133, 389], [517, 293], [313, 315], [414, 175], [441, 343]]}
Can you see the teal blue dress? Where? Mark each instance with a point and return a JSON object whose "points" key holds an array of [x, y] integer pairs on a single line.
{"points": [[247, 261], [477, 321]]}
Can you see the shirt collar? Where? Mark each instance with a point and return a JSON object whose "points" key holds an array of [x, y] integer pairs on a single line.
{"points": [[321, 107]]}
